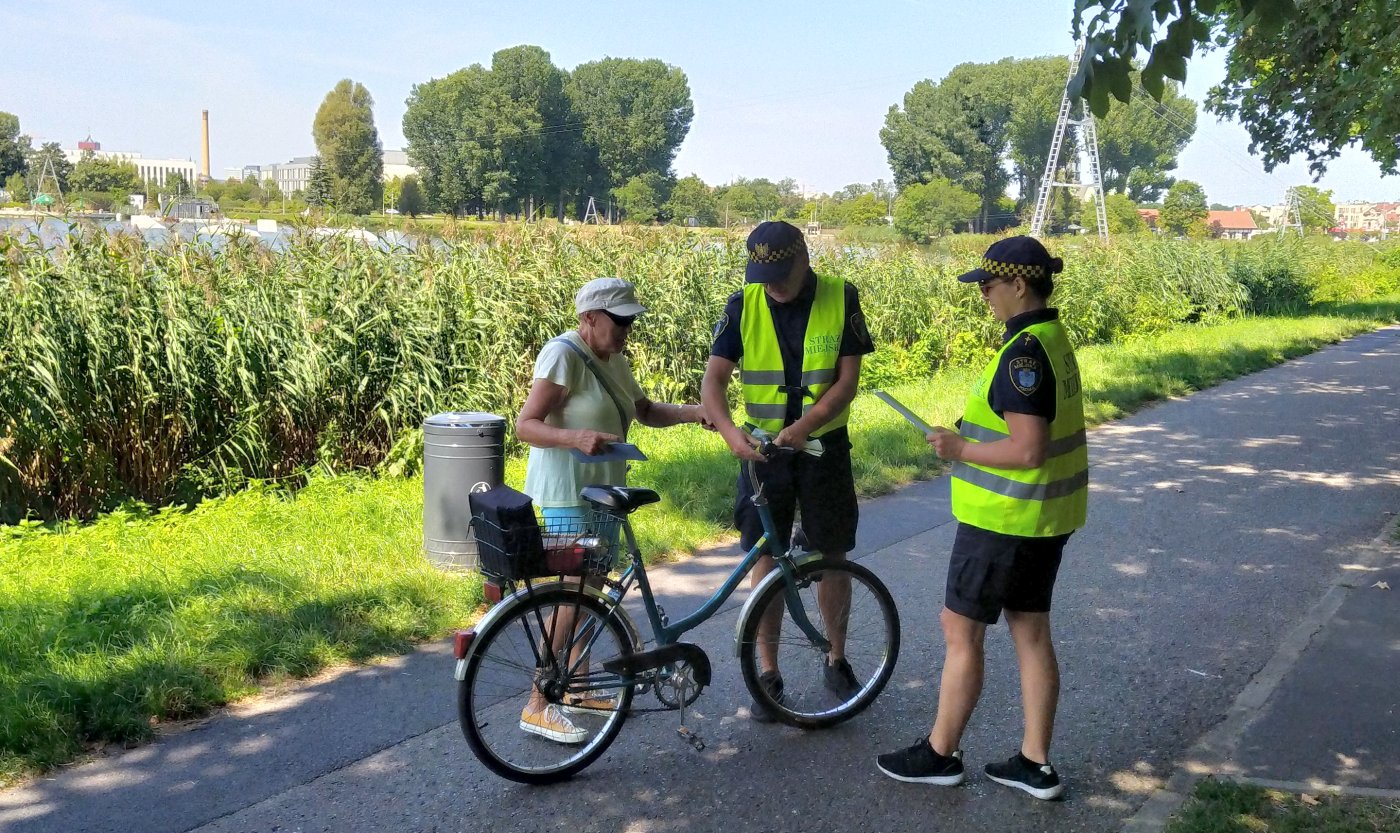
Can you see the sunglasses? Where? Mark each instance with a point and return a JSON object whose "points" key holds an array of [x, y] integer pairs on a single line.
{"points": [[621, 320], [988, 283]]}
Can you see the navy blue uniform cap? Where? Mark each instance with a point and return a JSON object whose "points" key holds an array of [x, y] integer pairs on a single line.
{"points": [[772, 246], [1015, 257]]}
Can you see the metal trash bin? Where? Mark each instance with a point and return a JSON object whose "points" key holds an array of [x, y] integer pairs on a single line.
{"points": [[462, 453]]}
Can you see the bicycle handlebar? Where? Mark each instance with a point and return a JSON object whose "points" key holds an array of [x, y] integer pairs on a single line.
{"points": [[769, 448]]}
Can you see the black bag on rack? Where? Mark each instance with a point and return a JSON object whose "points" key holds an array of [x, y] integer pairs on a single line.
{"points": [[508, 538]]}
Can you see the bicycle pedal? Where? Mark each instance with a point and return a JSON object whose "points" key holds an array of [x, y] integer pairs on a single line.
{"points": [[692, 738]]}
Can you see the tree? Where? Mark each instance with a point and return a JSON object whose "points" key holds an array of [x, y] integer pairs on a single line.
{"points": [[885, 193], [957, 129], [318, 186], [865, 210], [17, 188], [411, 201], [1121, 211], [634, 115], [984, 120], [48, 158], [444, 143], [1140, 143], [926, 210], [1307, 78], [691, 199], [539, 161], [1184, 210], [175, 183], [14, 148], [1318, 211], [639, 198], [348, 144], [500, 139], [95, 175]]}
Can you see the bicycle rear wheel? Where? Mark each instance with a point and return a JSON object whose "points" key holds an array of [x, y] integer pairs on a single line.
{"points": [[547, 655], [871, 625]]}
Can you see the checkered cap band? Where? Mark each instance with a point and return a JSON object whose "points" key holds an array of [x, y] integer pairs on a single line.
{"points": [[762, 253], [1029, 271]]}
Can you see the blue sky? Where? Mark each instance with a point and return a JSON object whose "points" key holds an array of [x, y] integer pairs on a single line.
{"points": [[781, 89]]}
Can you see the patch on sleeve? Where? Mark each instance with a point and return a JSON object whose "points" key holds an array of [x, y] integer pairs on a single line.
{"points": [[722, 324], [1026, 374], [858, 327]]}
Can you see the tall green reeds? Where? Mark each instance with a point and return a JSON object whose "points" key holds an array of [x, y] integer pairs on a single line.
{"points": [[162, 373]]}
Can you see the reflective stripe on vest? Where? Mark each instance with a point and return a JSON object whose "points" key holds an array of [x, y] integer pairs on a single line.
{"points": [[1033, 503], [761, 370]]}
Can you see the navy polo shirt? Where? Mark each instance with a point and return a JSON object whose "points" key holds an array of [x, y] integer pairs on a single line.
{"points": [[1025, 380], [790, 320]]}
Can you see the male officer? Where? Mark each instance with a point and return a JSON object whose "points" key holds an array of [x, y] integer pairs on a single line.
{"points": [[797, 339]]}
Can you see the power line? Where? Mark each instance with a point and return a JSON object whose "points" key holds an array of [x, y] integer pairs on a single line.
{"points": [[1173, 120]]}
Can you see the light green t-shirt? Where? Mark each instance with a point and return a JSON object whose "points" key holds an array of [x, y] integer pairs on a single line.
{"points": [[554, 476]]}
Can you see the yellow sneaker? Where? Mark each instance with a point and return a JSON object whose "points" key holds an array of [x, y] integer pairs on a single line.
{"points": [[549, 723], [591, 702]]}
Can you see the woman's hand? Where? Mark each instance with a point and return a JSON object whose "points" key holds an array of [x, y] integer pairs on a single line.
{"points": [[701, 418], [592, 442], [946, 443]]}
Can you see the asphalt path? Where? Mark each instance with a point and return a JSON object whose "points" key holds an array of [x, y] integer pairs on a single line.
{"points": [[1217, 523]]}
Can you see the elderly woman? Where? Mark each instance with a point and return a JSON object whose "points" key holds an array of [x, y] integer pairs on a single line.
{"points": [[583, 398]]}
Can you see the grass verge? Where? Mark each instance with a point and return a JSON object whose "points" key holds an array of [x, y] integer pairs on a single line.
{"points": [[1220, 807], [113, 626]]}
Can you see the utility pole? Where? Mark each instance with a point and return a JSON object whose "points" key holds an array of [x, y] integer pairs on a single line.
{"points": [[1088, 134]]}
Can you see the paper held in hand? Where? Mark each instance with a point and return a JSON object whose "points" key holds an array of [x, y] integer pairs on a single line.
{"points": [[913, 418], [616, 451]]}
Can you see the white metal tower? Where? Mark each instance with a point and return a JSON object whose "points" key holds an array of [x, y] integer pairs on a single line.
{"points": [[1293, 219], [1089, 136]]}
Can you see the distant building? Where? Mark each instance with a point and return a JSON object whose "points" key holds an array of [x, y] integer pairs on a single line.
{"points": [[396, 165], [151, 171], [188, 208], [289, 177], [1235, 224], [295, 175], [1360, 217], [1273, 215]]}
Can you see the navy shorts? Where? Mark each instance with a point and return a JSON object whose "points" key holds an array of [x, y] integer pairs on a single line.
{"points": [[823, 487], [989, 572]]}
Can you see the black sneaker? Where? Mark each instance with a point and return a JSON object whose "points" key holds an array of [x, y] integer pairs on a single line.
{"points": [[1040, 780], [772, 682], [840, 679], [919, 764]]}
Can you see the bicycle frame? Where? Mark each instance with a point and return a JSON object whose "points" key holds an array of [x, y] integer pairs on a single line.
{"points": [[668, 633]]}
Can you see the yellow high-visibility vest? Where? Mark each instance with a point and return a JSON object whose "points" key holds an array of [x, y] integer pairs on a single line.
{"points": [[1032, 503], [761, 366]]}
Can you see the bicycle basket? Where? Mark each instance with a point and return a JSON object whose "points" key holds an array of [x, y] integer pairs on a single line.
{"points": [[513, 544]]}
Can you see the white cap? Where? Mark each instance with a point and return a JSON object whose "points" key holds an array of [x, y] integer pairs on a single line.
{"points": [[612, 294]]}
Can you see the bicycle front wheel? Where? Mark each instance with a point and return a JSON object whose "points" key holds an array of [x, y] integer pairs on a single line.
{"points": [[851, 608], [535, 703]]}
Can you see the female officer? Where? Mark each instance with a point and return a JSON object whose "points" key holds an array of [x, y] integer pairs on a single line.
{"points": [[1020, 482]]}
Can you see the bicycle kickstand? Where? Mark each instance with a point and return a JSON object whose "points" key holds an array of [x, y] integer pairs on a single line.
{"points": [[685, 732]]}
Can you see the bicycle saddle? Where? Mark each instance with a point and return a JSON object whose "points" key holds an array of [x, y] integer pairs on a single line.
{"points": [[619, 498]]}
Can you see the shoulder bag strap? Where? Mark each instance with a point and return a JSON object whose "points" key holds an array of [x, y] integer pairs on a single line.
{"points": [[598, 374]]}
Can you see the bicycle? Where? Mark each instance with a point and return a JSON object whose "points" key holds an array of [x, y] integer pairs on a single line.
{"points": [[566, 639]]}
